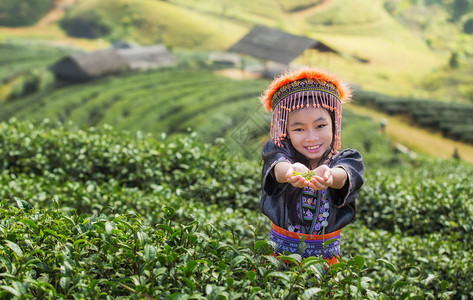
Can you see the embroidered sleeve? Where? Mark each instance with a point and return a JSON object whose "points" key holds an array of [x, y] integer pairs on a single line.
{"points": [[272, 155], [271, 166], [351, 161]]}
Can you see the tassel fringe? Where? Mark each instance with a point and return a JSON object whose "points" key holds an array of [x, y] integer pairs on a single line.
{"points": [[296, 101]]}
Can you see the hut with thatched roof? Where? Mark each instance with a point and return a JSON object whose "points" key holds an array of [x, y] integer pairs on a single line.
{"points": [[270, 44], [89, 65]]}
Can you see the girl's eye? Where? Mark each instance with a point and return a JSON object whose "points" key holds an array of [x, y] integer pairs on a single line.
{"points": [[298, 129], [321, 125]]}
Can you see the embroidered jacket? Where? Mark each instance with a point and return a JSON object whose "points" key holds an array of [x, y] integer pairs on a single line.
{"points": [[276, 198]]}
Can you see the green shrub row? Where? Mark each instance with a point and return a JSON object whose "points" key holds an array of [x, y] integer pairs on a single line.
{"points": [[169, 101], [48, 254], [432, 197], [39, 162], [436, 263], [445, 117], [206, 172], [411, 234]]}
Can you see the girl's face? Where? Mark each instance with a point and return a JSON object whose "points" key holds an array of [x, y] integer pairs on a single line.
{"points": [[310, 132]]}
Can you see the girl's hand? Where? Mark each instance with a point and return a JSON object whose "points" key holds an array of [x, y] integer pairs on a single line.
{"points": [[323, 178], [297, 180]]}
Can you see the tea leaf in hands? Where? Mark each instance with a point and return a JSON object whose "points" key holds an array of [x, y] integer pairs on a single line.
{"points": [[307, 175]]}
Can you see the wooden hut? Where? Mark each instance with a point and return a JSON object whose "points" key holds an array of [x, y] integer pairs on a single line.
{"points": [[270, 44], [89, 65]]}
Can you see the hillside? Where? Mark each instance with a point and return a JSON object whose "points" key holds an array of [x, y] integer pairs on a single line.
{"points": [[402, 59], [399, 62], [156, 102], [195, 96]]}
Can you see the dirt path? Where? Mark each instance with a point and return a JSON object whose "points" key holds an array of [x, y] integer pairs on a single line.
{"points": [[311, 10], [56, 13], [418, 139], [46, 29]]}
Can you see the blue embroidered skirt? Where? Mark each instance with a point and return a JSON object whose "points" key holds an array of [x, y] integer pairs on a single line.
{"points": [[289, 241]]}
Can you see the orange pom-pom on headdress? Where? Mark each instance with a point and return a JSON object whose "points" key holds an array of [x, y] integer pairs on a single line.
{"points": [[304, 88]]}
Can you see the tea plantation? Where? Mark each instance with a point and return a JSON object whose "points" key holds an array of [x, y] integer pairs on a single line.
{"points": [[172, 100], [98, 213], [167, 101], [146, 208], [453, 120]]}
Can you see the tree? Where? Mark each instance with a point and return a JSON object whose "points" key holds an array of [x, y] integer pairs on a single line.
{"points": [[86, 25], [15, 13], [468, 26], [454, 63], [460, 7]]}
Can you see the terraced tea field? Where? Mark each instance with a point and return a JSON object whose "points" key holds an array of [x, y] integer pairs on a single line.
{"points": [[167, 101]]}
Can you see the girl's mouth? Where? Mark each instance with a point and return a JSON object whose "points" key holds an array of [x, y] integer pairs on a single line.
{"points": [[313, 148]]}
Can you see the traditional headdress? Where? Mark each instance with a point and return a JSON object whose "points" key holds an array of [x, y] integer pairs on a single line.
{"points": [[303, 88]]}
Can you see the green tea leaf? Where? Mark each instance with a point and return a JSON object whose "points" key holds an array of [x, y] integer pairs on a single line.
{"points": [[429, 279], [191, 266], [280, 275], [22, 204], [358, 261], [293, 258], [150, 253], [189, 283], [11, 290], [79, 241], [109, 227], [310, 261], [15, 248], [33, 261], [65, 282], [51, 232], [259, 244], [251, 275], [6, 262], [328, 242], [390, 265], [311, 292], [169, 229], [30, 223]]}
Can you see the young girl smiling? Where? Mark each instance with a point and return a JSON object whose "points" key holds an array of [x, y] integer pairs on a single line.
{"points": [[305, 139]]}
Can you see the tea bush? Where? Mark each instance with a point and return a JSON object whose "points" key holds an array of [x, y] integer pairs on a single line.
{"points": [[434, 198], [46, 253], [451, 119], [140, 101], [98, 156], [100, 214]]}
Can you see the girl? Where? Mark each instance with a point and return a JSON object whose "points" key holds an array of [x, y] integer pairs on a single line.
{"points": [[305, 136]]}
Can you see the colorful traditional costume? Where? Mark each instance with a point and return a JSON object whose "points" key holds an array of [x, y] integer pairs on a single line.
{"points": [[320, 215]]}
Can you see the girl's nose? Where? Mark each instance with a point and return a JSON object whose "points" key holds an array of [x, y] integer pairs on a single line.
{"points": [[312, 136]]}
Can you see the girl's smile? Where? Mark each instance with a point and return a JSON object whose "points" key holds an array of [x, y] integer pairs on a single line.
{"points": [[310, 132]]}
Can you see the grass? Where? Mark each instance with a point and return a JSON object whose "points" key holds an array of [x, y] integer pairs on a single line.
{"points": [[150, 22]]}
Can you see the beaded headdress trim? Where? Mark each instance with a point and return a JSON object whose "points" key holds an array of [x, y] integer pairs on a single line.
{"points": [[304, 88]]}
